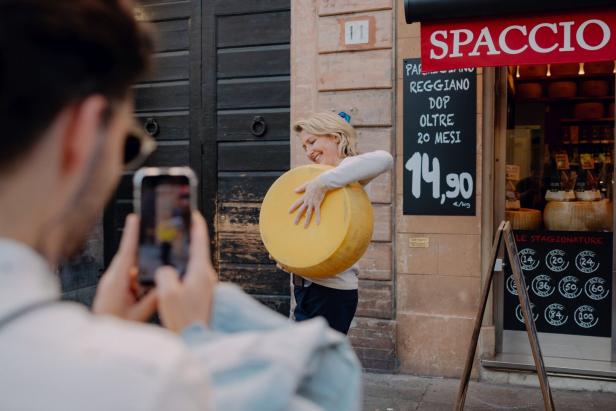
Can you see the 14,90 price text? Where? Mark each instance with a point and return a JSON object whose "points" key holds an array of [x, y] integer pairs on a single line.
{"points": [[459, 185]]}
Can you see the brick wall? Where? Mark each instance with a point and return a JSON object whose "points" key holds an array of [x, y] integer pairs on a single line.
{"points": [[329, 75]]}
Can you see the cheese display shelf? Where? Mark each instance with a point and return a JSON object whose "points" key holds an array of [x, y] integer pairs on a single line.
{"points": [[584, 120], [574, 77], [563, 99], [562, 141]]}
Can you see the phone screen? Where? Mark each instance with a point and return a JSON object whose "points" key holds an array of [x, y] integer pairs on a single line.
{"points": [[164, 233]]}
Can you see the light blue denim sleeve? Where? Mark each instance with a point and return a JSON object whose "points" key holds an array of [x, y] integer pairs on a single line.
{"points": [[259, 360], [234, 311]]}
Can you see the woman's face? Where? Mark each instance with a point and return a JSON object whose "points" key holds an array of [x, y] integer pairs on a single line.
{"points": [[320, 149]]}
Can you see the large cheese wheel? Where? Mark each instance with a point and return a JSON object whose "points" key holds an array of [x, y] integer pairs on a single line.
{"points": [[323, 250], [567, 69], [560, 89], [533, 70], [588, 195], [594, 88], [524, 219], [589, 110], [599, 67], [578, 215], [529, 90]]}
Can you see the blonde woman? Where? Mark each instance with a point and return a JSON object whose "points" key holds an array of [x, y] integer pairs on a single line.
{"points": [[330, 139]]}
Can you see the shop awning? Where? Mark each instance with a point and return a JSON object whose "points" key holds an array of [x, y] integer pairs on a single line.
{"points": [[582, 35], [436, 10]]}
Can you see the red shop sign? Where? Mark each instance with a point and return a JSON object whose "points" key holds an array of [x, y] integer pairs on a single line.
{"points": [[547, 38]]}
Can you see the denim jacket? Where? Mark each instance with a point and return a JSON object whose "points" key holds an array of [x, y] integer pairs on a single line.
{"points": [[259, 360]]}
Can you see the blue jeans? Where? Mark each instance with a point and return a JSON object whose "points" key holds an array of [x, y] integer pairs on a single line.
{"points": [[336, 306]]}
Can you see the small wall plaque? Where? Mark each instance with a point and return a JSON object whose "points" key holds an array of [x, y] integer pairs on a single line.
{"points": [[419, 242], [357, 32]]}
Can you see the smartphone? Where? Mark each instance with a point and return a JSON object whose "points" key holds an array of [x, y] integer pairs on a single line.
{"points": [[164, 200]]}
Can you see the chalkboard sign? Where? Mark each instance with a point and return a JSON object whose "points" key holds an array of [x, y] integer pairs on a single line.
{"points": [[440, 142], [569, 280]]}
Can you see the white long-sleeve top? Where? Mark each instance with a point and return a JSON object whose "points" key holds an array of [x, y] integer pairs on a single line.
{"points": [[362, 168]]}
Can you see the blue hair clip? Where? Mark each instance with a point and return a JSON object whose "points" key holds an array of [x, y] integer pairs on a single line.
{"points": [[345, 117]]}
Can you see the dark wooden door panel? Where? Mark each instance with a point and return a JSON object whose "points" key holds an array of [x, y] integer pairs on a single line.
{"points": [[170, 66], [254, 29], [243, 187], [257, 279], [243, 248], [254, 93], [120, 211], [125, 188], [171, 35], [239, 218], [162, 96], [171, 125], [248, 97], [223, 7], [253, 62], [278, 303], [253, 156], [169, 96], [155, 10], [169, 156], [237, 125]]}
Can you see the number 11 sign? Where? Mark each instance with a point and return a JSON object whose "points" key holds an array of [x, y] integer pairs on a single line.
{"points": [[440, 142]]}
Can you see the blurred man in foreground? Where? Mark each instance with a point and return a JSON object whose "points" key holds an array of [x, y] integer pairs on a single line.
{"points": [[66, 67]]}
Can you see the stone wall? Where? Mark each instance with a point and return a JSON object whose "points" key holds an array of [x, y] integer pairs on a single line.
{"points": [[329, 75], [438, 287]]}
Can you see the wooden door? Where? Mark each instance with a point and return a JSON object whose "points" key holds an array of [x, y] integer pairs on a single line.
{"points": [[218, 100], [247, 99], [167, 102]]}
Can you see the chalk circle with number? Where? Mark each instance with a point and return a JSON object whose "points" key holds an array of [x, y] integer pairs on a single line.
{"points": [[318, 251]]}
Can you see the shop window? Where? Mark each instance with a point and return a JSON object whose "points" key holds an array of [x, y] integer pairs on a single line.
{"points": [[560, 147], [559, 199]]}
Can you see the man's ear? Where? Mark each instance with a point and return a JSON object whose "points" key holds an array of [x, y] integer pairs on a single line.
{"points": [[85, 121]]}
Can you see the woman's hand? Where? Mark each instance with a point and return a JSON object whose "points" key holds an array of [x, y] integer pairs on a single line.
{"points": [[310, 202]]}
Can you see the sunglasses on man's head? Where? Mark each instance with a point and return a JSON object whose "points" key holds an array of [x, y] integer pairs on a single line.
{"points": [[137, 147]]}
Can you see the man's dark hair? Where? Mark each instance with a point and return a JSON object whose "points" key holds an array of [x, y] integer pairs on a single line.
{"points": [[54, 53]]}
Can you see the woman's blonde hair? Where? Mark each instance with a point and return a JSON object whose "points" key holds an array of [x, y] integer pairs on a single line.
{"points": [[331, 124]]}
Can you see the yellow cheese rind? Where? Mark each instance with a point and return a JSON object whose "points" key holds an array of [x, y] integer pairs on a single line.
{"points": [[319, 251]]}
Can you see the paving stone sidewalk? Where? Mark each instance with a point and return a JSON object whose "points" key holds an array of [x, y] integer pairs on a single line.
{"points": [[385, 392]]}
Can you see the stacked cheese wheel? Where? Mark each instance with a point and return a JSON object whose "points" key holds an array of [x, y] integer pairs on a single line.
{"points": [[578, 215], [524, 219]]}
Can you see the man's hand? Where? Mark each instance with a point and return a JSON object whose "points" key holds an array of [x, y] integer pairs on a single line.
{"points": [[117, 291], [181, 303], [309, 203]]}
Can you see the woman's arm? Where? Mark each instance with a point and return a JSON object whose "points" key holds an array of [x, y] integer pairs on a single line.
{"points": [[361, 168]]}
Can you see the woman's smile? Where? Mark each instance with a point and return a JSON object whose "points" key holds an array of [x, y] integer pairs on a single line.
{"points": [[320, 149]]}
